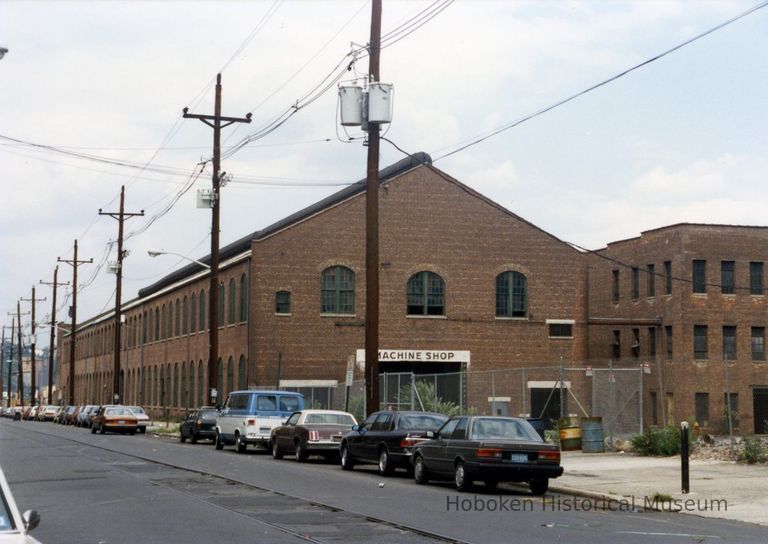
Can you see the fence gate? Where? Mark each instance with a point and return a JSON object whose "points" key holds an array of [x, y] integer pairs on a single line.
{"points": [[617, 397]]}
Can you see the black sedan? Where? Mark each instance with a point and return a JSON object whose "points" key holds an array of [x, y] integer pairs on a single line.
{"points": [[386, 438], [491, 449], [198, 425]]}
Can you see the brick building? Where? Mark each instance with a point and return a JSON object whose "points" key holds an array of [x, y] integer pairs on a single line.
{"points": [[689, 299], [469, 290]]}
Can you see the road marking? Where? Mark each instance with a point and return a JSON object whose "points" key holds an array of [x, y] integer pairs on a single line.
{"points": [[666, 534]]}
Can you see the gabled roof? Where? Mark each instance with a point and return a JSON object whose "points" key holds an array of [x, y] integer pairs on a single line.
{"points": [[244, 244]]}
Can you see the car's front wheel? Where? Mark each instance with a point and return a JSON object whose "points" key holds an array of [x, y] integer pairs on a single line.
{"points": [[385, 464], [346, 458], [420, 475], [539, 486], [240, 444], [276, 453], [182, 438], [193, 437]]}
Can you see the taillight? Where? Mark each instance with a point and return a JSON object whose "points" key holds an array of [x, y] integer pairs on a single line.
{"points": [[492, 453], [409, 441], [251, 422], [549, 455], [314, 436], [198, 424]]}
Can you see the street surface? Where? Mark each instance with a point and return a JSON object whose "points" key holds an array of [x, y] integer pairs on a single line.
{"points": [[142, 489]]}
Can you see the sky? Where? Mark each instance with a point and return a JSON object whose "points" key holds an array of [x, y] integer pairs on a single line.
{"points": [[682, 139]]}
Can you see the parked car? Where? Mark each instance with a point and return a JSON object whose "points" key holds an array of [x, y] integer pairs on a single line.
{"points": [[248, 417], [114, 418], [70, 416], [488, 448], [387, 438], [15, 527], [141, 417], [59, 417], [84, 416], [26, 412], [199, 425], [311, 432], [48, 413]]}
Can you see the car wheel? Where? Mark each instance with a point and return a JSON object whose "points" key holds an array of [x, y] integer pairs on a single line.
{"points": [[102, 429], [143, 430], [182, 438], [346, 458], [218, 442], [133, 432], [539, 486], [301, 453], [276, 453], [193, 438], [240, 444], [93, 430], [385, 465], [420, 475], [460, 478], [491, 483]]}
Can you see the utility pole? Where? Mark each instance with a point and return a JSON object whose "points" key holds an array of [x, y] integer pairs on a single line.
{"points": [[73, 313], [33, 381], [216, 122], [120, 216], [372, 231], [2, 359], [53, 324], [10, 362], [20, 369]]}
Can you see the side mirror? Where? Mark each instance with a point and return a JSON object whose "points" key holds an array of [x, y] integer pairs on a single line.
{"points": [[430, 434], [31, 519], [355, 427]]}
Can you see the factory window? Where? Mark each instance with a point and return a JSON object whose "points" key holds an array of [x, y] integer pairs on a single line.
{"points": [[337, 291], [511, 295], [425, 294]]}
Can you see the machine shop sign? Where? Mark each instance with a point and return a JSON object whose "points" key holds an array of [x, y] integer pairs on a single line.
{"points": [[417, 355]]}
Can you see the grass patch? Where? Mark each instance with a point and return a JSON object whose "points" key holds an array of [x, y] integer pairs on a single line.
{"points": [[664, 441]]}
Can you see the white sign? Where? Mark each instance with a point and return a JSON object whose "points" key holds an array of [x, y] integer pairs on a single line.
{"points": [[350, 377], [414, 355]]}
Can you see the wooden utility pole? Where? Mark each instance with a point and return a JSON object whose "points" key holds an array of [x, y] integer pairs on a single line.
{"points": [[372, 231], [33, 370], [20, 369], [216, 122], [73, 313], [10, 363], [2, 359], [120, 216], [53, 324]]}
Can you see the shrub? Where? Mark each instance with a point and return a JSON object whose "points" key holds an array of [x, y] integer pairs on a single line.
{"points": [[426, 399], [662, 441], [753, 452]]}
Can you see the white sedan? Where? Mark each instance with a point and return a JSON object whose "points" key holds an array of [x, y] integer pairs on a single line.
{"points": [[15, 527]]}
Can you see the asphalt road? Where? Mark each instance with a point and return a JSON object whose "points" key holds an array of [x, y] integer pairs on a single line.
{"points": [[144, 489]]}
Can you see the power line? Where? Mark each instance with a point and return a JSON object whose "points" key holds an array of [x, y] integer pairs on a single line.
{"points": [[528, 117]]}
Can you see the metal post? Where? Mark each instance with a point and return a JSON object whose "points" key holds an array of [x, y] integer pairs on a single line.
{"points": [[20, 369], [610, 397], [523, 386], [493, 392], [684, 456], [728, 401], [562, 396]]}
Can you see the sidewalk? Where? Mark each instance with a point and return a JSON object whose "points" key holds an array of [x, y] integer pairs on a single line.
{"points": [[717, 488]]}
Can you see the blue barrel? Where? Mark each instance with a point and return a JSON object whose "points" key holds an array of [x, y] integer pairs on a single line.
{"points": [[592, 435]]}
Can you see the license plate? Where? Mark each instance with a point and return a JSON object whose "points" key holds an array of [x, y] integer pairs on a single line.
{"points": [[121, 422], [517, 458], [336, 438]]}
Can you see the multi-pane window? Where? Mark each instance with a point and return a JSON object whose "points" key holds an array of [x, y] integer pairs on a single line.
{"points": [[337, 295], [654, 408], [425, 294], [635, 343], [157, 324], [615, 286], [758, 343], [616, 345], [701, 401], [699, 276], [668, 335], [652, 341], [511, 295], [283, 302], [220, 305], [193, 313], [635, 283], [667, 277], [243, 298], [651, 275], [185, 323], [177, 319], [756, 278], [201, 323], [729, 343], [232, 301], [727, 277], [700, 342], [561, 330]]}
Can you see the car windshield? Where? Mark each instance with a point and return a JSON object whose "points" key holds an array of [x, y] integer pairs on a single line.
{"points": [[6, 522], [507, 429], [330, 419], [136, 409], [208, 415], [118, 412], [421, 422]]}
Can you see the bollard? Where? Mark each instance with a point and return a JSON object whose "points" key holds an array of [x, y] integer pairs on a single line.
{"points": [[684, 456]]}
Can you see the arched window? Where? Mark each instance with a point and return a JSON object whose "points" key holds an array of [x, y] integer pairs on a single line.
{"points": [[220, 382], [177, 320], [243, 298], [184, 393], [230, 375], [200, 383], [143, 391], [220, 305], [163, 323], [144, 329], [232, 301], [185, 321], [168, 385], [169, 322], [337, 295], [241, 374], [193, 313], [175, 384], [157, 325], [153, 389], [426, 294], [511, 295], [202, 310]]}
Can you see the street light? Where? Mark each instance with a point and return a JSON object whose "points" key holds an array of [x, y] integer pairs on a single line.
{"points": [[3, 51], [158, 252]]}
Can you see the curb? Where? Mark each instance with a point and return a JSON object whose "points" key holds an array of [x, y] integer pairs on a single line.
{"points": [[594, 495]]}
